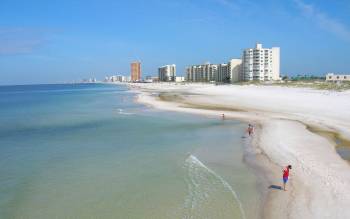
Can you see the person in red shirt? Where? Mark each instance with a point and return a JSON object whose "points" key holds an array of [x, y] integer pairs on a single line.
{"points": [[286, 175]]}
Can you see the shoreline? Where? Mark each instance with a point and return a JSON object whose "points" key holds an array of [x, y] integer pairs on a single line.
{"points": [[320, 178]]}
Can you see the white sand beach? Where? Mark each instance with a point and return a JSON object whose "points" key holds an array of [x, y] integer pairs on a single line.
{"points": [[288, 124]]}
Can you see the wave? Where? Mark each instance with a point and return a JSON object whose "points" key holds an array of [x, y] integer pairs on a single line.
{"points": [[121, 112], [209, 195]]}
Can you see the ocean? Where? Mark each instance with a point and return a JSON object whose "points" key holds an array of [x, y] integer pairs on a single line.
{"points": [[91, 151]]}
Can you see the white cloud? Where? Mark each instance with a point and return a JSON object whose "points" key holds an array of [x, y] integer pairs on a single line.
{"points": [[323, 20]]}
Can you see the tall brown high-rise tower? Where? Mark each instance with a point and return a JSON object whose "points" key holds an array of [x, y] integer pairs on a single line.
{"points": [[135, 71]]}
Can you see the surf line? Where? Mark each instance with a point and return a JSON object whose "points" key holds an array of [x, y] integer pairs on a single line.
{"points": [[122, 112], [198, 162]]}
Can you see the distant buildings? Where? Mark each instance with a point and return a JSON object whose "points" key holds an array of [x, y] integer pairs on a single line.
{"points": [[117, 78], [225, 73], [121, 78], [202, 73], [151, 79], [135, 71], [256, 64], [260, 64], [167, 73], [90, 80], [337, 77]]}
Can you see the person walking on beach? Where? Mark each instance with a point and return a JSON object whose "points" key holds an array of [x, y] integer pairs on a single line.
{"points": [[286, 175], [223, 116], [250, 129]]}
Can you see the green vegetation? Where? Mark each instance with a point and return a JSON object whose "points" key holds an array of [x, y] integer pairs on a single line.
{"points": [[305, 78], [316, 84], [307, 83]]}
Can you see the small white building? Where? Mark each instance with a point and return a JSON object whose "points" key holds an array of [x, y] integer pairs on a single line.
{"points": [[337, 77], [179, 79], [167, 73]]}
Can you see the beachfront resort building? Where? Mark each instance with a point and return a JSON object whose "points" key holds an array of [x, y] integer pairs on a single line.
{"points": [[167, 73], [337, 77], [135, 71], [229, 72], [257, 64], [260, 64], [224, 73], [202, 73]]}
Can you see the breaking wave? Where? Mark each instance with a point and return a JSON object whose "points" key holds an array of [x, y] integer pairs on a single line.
{"points": [[122, 112]]}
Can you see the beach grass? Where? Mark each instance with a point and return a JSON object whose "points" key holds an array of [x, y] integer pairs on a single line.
{"points": [[314, 84]]}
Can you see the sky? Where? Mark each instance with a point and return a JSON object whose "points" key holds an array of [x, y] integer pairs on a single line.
{"points": [[64, 41]]}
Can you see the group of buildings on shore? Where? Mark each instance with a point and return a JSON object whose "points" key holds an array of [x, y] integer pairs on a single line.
{"points": [[255, 64], [260, 64]]}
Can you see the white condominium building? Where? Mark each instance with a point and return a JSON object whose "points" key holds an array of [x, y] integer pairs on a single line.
{"points": [[260, 64], [167, 73], [202, 73]]}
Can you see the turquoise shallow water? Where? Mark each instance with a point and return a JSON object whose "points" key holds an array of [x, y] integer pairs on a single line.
{"points": [[89, 151]]}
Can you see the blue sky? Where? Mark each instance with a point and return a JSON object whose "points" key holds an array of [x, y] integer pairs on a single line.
{"points": [[61, 41]]}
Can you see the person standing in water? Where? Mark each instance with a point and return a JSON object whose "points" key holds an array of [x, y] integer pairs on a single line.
{"points": [[286, 175]]}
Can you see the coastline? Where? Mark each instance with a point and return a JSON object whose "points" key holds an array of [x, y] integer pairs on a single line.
{"points": [[320, 179]]}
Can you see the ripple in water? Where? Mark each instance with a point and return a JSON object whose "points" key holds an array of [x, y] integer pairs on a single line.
{"points": [[209, 195]]}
